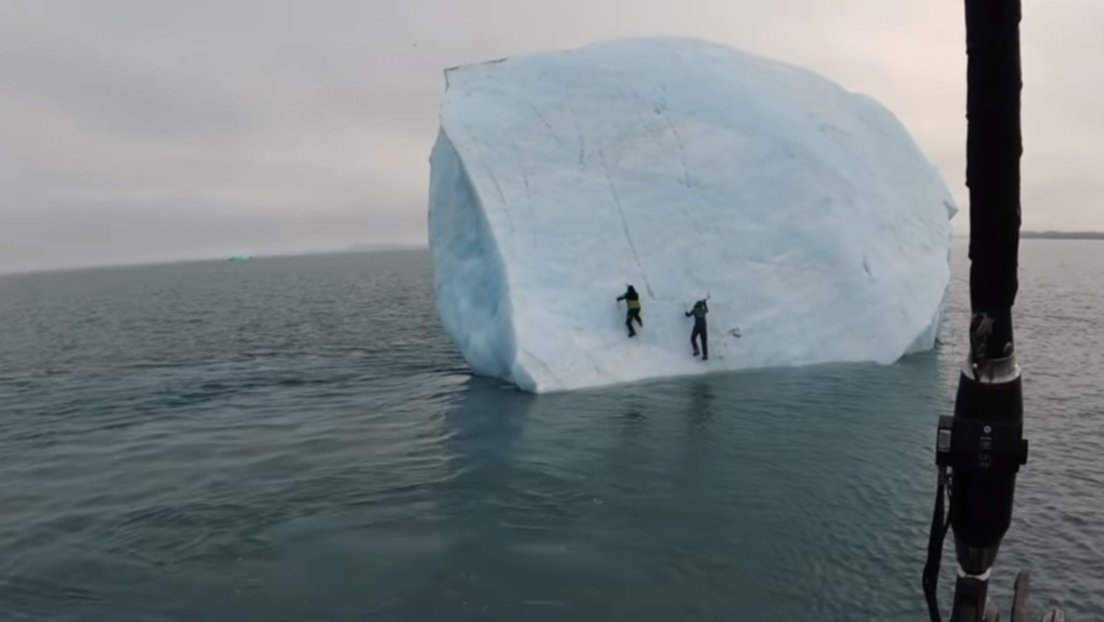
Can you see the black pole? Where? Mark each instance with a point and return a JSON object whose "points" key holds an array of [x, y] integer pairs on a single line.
{"points": [[993, 149], [981, 448], [988, 419]]}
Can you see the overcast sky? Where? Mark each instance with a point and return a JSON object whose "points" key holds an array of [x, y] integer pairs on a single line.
{"points": [[144, 131]]}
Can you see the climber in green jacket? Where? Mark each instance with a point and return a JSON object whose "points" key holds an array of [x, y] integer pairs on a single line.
{"points": [[632, 303]]}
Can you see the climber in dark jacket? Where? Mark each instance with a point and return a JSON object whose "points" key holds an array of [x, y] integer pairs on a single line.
{"points": [[632, 303], [699, 311]]}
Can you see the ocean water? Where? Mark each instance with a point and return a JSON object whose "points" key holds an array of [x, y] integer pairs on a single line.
{"points": [[295, 439]]}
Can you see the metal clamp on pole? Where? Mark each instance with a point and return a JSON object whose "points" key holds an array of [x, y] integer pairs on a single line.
{"points": [[982, 447], [979, 451]]}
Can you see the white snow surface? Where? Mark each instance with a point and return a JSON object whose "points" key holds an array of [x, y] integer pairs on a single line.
{"points": [[806, 212]]}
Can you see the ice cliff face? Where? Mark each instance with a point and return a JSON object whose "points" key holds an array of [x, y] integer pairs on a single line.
{"points": [[805, 211]]}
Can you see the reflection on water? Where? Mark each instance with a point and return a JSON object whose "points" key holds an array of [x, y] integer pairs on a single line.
{"points": [[757, 495]]}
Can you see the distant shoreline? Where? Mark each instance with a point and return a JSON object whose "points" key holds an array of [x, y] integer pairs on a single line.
{"points": [[1062, 235]]}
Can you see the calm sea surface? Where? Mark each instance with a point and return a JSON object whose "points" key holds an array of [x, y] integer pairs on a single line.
{"points": [[296, 439]]}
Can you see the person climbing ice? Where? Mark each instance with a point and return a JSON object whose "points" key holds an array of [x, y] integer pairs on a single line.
{"points": [[632, 303], [699, 332]]}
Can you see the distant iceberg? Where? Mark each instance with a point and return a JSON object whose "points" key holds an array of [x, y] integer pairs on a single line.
{"points": [[806, 212]]}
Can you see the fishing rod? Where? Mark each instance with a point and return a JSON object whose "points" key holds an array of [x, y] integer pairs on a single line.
{"points": [[981, 447]]}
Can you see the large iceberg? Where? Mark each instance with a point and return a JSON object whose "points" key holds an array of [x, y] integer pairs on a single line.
{"points": [[804, 211]]}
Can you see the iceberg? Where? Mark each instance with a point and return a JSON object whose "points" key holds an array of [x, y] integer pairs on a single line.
{"points": [[805, 212]]}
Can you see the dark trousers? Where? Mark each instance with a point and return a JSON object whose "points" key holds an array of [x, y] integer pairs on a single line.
{"points": [[633, 314], [700, 332]]}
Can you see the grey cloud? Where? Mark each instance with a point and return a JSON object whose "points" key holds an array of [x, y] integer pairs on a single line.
{"points": [[132, 130], [122, 97]]}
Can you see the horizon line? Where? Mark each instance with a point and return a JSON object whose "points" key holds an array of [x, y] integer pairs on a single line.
{"points": [[382, 248], [351, 250]]}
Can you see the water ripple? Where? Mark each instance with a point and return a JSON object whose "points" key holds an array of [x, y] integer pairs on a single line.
{"points": [[294, 439]]}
